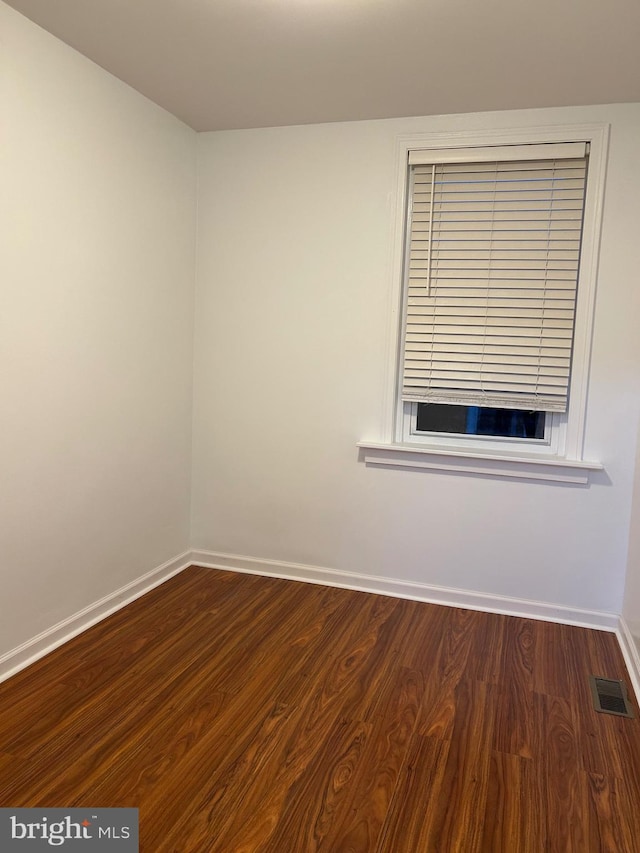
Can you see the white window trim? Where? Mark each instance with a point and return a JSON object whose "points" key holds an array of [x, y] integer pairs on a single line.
{"points": [[551, 445], [543, 461], [521, 466]]}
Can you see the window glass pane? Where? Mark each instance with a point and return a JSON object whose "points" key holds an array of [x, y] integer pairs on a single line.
{"points": [[477, 420]]}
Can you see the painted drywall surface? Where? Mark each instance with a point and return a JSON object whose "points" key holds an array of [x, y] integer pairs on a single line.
{"points": [[292, 342], [97, 229], [631, 604]]}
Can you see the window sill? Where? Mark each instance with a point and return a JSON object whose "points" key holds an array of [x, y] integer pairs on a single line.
{"points": [[521, 466]]}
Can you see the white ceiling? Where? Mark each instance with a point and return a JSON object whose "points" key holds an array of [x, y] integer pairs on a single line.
{"points": [[220, 64]]}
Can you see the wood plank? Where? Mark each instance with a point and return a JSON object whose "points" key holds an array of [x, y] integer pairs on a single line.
{"points": [[364, 811], [458, 819], [512, 820], [409, 824], [515, 730], [563, 783], [454, 654], [561, 667]]}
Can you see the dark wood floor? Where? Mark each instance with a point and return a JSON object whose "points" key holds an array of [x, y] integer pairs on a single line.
{"points": [[248, 714]]}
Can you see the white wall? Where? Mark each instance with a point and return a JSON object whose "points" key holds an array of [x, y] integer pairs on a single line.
{"points": [[97, 225], [292, 342], [631, 603]]}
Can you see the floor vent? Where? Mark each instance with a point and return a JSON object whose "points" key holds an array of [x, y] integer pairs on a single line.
{"points": [[610, 696]]}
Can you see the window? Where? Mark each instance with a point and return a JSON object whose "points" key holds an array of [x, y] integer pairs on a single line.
{"points": [[479, 420], [492, 259], [497, 264]]}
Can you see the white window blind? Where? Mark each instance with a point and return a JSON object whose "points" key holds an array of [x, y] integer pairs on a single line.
{"points": [[494, 249]]}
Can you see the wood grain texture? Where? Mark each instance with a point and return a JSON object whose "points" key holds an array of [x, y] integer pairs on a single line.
{"points": [[565, 793], [514, 810], [243, 714]]}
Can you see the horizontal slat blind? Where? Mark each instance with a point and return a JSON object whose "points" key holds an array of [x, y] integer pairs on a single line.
{"points": [[492, 281], [499, 153]]}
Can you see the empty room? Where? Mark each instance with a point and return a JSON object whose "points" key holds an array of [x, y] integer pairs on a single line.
{"points": [[320, 426]]}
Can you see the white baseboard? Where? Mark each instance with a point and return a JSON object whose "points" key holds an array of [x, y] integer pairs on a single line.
{"points": [[631, 655], [29, 652], [409, 589], [20, 657]]}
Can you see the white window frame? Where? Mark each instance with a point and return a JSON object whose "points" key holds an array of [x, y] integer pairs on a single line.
{"points": [[561, 457], [551, 444]]}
